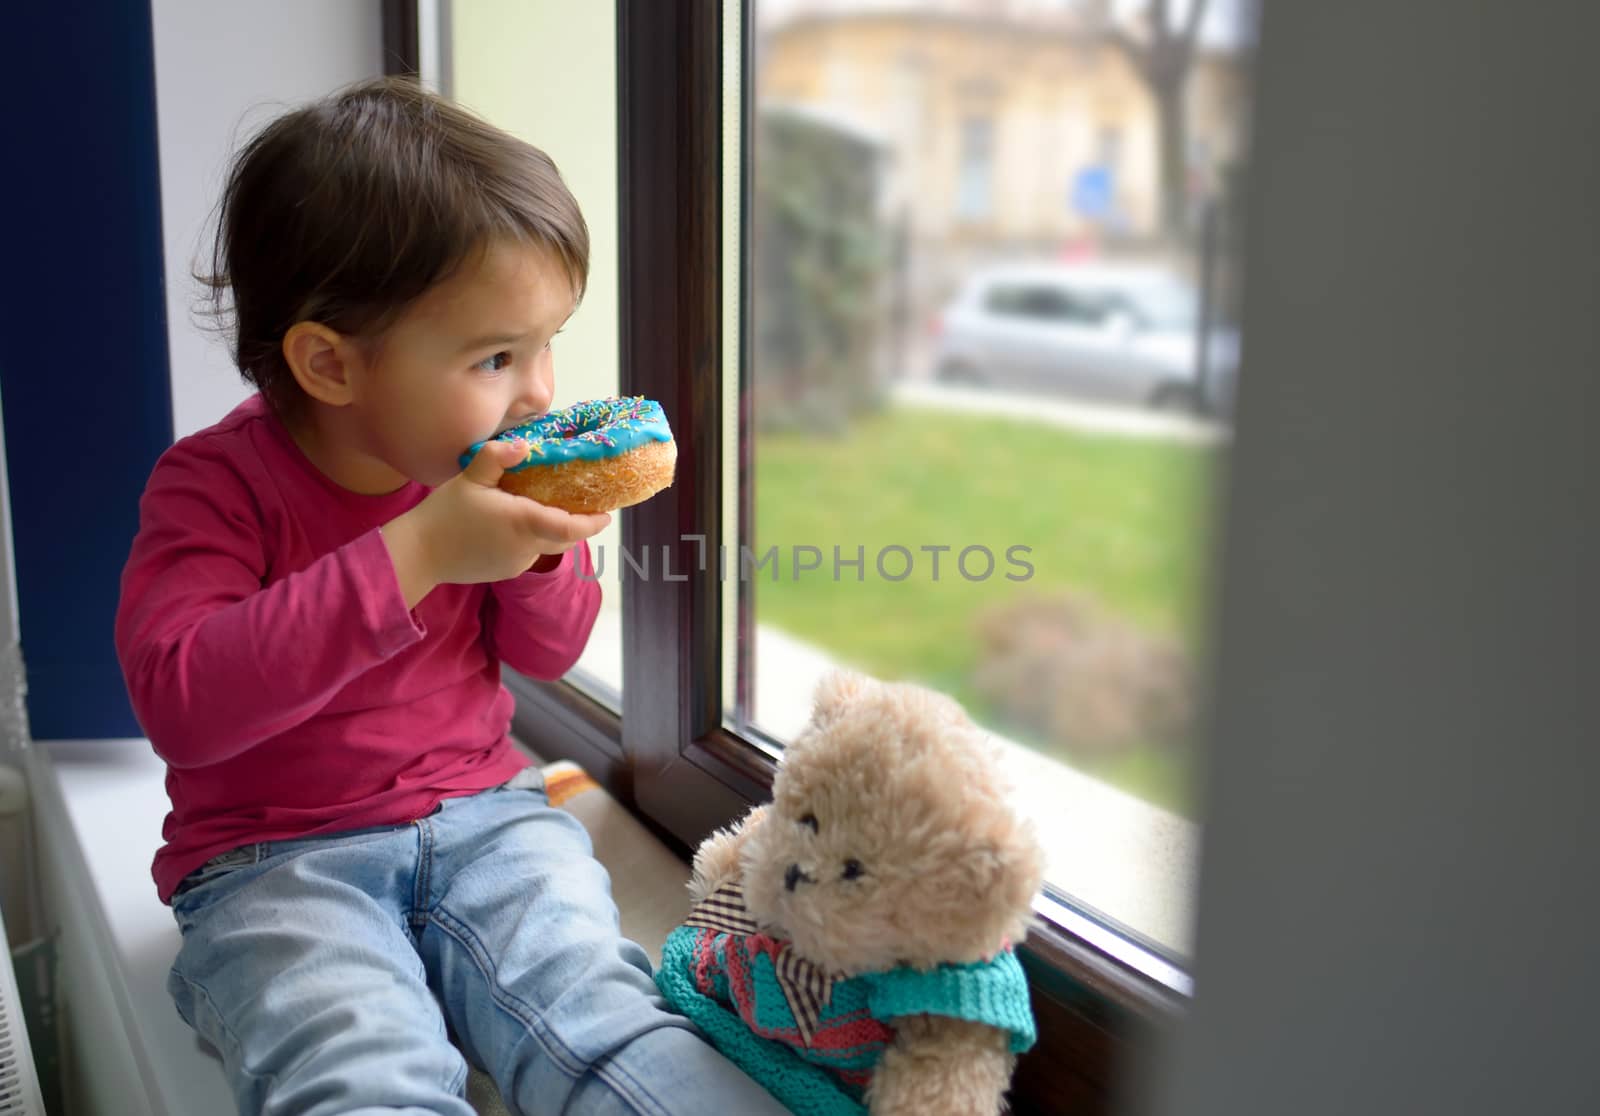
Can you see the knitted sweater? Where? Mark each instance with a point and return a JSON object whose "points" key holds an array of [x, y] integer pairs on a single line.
{"points": [[811, 1040]]}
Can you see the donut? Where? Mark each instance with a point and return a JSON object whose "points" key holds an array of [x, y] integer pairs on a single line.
{"points": [[594, 456]]}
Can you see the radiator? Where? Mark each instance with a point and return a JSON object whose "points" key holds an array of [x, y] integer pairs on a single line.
{"points": [[19, 1084]]}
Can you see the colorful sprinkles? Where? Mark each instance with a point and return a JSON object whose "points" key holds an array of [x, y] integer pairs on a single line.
{"points": [[589, 431]]}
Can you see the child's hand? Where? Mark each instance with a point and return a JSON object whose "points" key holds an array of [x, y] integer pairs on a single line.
{"points": [[468, 531]]}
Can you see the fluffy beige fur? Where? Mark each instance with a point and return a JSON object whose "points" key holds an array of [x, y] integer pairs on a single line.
{"points": [[900, 781]]}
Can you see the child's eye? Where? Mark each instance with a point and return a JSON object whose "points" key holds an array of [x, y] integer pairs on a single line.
{"points": [[496, 363]]}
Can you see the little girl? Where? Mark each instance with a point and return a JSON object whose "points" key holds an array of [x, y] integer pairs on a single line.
{"points": [[312, 623]]}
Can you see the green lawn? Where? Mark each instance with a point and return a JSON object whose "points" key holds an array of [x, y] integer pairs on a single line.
{"points": [[1126, 519]]}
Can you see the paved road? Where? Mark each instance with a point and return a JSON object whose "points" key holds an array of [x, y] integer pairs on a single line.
{"points": [[1057, 411]]}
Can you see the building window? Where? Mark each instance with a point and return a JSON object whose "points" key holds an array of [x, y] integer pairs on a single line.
{"points": [[975, 174]]}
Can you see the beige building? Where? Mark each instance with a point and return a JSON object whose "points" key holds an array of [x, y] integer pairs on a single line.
{"points": [[996, 116]]}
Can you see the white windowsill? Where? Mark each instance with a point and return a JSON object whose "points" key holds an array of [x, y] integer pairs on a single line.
{"points": [[102, 803], [100, 807]]}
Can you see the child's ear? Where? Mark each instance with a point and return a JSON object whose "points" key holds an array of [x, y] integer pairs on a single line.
{"points": [[319, 359]]}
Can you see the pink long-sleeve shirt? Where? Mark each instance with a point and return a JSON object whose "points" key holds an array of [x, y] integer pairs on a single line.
{"points": [[274, 666]]}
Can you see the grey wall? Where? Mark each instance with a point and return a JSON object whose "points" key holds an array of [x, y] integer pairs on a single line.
{"points": [[224, 68], [1397, 907]]}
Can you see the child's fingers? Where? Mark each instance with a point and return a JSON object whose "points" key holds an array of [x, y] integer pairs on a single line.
{"points": [[591, 525], [491, 462], [562, 526]]}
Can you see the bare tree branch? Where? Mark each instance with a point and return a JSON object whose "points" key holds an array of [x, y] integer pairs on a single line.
{"points": [[1161, 58], [1191, 30], [1137, 53], [1158, 23]]}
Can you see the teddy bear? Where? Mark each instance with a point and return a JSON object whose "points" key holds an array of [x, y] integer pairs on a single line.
{"points": [[850, 944]]}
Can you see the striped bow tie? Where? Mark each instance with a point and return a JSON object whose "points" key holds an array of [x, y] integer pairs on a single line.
{"points": [[806, 987]]}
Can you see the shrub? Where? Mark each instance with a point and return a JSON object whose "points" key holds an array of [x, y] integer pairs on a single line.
{"points": [[819, 263], [1063, 667]]}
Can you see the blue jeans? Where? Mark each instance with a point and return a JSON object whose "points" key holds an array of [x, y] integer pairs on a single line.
{"points": [[332, 973]]}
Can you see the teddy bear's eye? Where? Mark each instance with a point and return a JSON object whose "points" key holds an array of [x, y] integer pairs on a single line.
{"points": [[852, 869], [810, 820]]}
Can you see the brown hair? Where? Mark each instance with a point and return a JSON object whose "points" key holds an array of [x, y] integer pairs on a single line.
{"points": [[346, 210]]}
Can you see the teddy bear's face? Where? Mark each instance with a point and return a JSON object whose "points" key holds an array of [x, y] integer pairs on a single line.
{"points": [[889, 840]]}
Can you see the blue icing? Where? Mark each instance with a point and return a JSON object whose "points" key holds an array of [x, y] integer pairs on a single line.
{"points": [[589, 431]]}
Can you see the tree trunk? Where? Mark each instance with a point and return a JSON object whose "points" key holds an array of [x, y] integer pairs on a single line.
{"points": [[1163, 60], [1172, 159]]}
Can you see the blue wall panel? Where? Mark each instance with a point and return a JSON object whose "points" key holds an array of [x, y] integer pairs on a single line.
{"points": [[83, 361]]}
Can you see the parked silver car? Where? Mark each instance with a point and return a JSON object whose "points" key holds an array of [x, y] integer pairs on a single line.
{"points": [[1117, 333]]}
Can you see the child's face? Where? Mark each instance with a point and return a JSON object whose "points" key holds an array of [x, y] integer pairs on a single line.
{"points": [[469, 359]]}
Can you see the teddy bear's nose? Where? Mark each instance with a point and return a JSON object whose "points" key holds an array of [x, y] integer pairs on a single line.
{"points": [[793, 875]]}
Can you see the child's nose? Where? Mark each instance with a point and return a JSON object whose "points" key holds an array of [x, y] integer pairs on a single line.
{"points": [[538, 389]]}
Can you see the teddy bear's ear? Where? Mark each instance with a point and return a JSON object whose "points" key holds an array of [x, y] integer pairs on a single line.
{"points": [[837, 688], [716, 861], [1002, 867]]}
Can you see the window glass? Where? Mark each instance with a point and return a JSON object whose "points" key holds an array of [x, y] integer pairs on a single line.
{"points": [[948, 493]]}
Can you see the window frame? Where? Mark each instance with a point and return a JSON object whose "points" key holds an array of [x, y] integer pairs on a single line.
{"points": [[1098, 1009]]}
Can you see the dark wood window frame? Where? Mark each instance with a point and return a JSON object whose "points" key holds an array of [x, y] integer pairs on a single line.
{"points": [[668, 756]]}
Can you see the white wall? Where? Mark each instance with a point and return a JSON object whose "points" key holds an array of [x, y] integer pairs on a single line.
{"points": [[224, 68]]}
